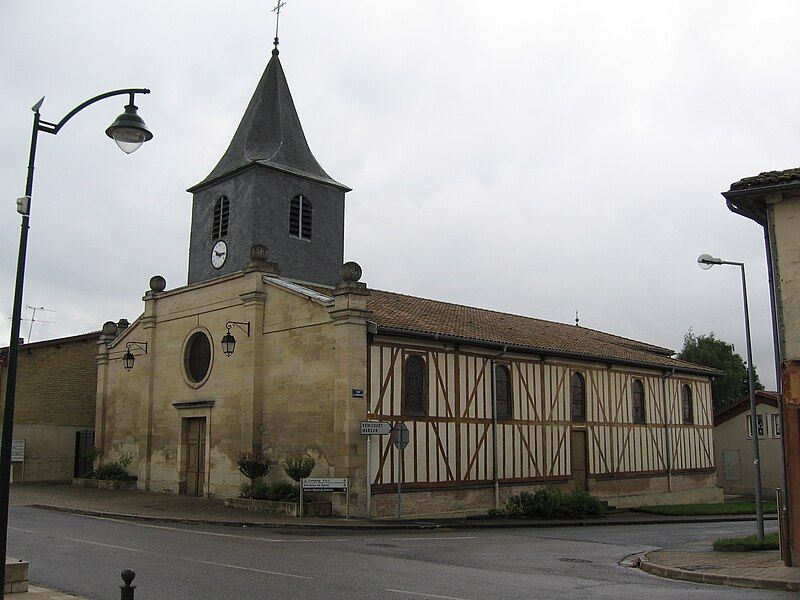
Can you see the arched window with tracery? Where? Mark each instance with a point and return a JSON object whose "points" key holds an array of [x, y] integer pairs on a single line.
{"points": [[502, 385], [577, 396], [687, 406], [414, 387], [300, 218], [637, 401], [219, 226]]}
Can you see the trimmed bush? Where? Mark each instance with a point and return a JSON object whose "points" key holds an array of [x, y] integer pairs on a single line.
{"points": [[299, 467], [551, 503], [253, 465], [281, 491]]}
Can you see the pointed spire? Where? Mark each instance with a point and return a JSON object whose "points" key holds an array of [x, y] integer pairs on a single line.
{"points": [[270, 134]]}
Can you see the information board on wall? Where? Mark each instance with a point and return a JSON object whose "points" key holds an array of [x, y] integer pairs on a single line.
{"points": [[17, 451]]}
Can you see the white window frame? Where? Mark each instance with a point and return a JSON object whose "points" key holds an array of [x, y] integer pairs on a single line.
{"points": [[775, 426], [761, 426]]}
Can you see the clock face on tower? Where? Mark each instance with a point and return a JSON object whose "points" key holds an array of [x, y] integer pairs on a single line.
{"points": [[219, 254]]}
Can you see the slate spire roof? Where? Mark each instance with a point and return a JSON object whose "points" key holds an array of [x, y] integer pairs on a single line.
{"points": [[270, 134]]}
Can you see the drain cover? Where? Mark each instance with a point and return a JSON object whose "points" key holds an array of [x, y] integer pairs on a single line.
{"points": [[574, 560], [700, 567]]}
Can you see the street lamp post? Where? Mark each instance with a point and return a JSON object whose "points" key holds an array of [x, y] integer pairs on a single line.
{"points": [[129, 132], [706, 261]]}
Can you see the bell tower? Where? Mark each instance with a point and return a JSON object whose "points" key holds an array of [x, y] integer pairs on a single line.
{"points": [[268, 189]]}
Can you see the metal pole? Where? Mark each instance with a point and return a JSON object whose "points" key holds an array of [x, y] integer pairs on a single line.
{"points": [[13, 354], [369, 477], [753, 416], [399, 478], [347, 513], [301, 497]]}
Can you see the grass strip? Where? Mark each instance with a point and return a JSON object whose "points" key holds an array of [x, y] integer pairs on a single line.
{"points": [[748, 543], [744, 507]]}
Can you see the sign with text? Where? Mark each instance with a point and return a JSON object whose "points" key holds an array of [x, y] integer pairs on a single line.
{"points": [[376, 428], [325, 484], [17, 450], [358, 393]]}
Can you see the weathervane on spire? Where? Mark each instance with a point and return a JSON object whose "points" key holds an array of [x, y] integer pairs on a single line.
{"points": [[277, 10], [577, 320]]}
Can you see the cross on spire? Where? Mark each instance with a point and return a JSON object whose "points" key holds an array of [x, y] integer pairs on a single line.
{"points": [[277, 10]]}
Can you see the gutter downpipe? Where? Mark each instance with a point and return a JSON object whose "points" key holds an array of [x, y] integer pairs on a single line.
{"points": [[778, 353], [494, 427], [667, 445]]}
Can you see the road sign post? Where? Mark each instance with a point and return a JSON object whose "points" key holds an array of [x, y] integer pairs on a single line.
{"points": [[325, 484], [370, 428], [400, 440]]}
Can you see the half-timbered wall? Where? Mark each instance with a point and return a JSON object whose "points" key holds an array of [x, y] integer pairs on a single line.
{"points": [[452, 444]]}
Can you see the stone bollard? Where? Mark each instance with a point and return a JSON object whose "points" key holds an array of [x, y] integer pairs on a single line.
{"points": [[126, 591]]}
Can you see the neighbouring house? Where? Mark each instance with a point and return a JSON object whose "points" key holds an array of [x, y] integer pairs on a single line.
{"points": [[54, 408], [772, 199], [494, 403], [733, 445]]}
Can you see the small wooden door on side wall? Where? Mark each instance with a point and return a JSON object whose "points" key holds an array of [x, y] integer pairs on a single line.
{"points": [[194, 463], [578, 459]]}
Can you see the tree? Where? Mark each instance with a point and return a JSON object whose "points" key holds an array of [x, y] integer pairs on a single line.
{"points": [[709, 351]]}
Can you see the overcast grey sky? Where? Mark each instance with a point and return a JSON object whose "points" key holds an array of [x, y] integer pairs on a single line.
{"points": [[532, 157]]}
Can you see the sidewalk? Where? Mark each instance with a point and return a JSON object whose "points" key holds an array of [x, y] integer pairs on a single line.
{"points": [[152, 506], [762, 569], [41, 594]]}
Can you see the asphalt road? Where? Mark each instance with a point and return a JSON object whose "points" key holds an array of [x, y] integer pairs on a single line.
{"points": [[84, 556]]}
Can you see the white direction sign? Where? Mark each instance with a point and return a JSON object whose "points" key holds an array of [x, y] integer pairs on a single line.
{"points": [[376, 428], [17, 450], [325, 484]]}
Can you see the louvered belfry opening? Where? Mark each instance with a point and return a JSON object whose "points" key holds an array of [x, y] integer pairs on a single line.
{"points": [[219, 228], [300, 213]]}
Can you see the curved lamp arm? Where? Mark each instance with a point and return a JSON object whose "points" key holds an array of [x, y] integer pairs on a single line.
{"points": [[54, 127]]}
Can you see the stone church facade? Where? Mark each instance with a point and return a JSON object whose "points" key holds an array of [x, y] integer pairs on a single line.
{"points": [[494, 403]]}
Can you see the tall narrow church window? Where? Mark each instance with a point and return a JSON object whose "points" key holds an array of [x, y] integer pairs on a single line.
{"points": [[219, 228], [577, 395], [414, 387], [637, 401], [502, 386], [300, 213], [687, 410]]}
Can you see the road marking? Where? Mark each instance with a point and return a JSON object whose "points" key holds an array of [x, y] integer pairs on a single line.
{"points": [[216, 564], [25, 530], [423, 595], [436, 537], [100, 544]]}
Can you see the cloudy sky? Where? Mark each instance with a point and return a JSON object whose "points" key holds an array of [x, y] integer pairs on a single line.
{"points": [[533, 157]]}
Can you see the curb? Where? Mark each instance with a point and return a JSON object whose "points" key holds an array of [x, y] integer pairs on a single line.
{"points": [[714, 578], [395, 526]]}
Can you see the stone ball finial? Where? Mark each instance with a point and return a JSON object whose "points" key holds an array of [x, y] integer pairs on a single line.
{"points": [[158, 283], [128, 575], [351, 272], [123, 324], [109, 328], [258, 252]]}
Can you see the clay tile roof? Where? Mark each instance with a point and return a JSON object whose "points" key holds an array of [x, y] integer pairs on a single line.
{"points": [[737, 407], [768, 178], [402, 313]]}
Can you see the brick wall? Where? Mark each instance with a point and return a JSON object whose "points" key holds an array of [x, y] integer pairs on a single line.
{"points": [[56, 382]]}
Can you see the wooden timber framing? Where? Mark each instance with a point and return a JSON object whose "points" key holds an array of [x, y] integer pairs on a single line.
{"points": [[452, 445]]}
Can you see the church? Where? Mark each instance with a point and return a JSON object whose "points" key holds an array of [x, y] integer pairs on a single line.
{"points": [[275, 345]]}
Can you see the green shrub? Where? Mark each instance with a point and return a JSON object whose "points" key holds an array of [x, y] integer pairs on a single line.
{"points": [[253, 465], [551, 503], [281, 491], [748, 543], [299, 467], [115, 470]]}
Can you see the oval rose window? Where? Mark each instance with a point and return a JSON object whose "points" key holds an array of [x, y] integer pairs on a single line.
{"points": [[197, 359]]}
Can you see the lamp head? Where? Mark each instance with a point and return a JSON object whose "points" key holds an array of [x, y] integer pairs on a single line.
{"points": [[128, 359], [228, 343], [706, 261], [129, 130]]}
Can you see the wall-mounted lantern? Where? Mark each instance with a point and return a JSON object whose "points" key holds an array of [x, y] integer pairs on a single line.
{"points": [[228, 341], [128, 358]]}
